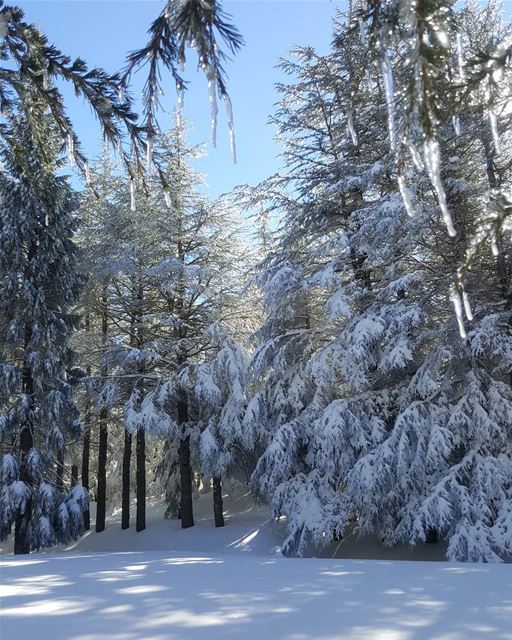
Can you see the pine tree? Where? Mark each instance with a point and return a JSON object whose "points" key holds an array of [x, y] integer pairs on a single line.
{"points": [[388, 429], [39, 287], [220, 388]]}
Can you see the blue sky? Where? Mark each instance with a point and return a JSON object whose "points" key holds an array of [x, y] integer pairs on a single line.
{"points": [[103, 32]]}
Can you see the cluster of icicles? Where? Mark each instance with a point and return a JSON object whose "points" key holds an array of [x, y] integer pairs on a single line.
{"points": [[211, 76], [430, 161]]}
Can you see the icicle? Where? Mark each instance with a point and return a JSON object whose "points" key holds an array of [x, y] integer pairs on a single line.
{"points": [[387, 75], [214, 110], [87, 174], [460, 58], [494, 247], [455, 299], [467, 306], [179, 105], [46, 79], [71, 149], [494, 128], [351, 128], [149, 155], [231, 125], [406, 195], [167, 197], [432, 164], [132, 195], [456, 125], [416, 158]]}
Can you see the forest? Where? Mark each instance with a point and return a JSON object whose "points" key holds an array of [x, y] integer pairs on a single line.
{"points": [[333, 343]]}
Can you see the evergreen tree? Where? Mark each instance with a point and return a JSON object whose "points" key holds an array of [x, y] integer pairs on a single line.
{"points": [[385, 419], [39, 286]]}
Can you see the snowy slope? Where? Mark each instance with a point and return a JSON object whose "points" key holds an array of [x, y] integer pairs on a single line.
{"points": [[178, 596], [208, 584]]}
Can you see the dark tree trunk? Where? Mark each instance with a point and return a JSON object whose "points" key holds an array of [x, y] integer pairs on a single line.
{"points": [[59, 468], [101, 493], [74, 474], [22, 523], [86, 446], [217, 502], [86, 452], [141, 480], [432, 536], [186, 507], [125, 497]]}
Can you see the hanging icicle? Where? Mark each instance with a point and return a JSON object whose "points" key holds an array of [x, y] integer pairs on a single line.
{"points": [[167, 197], [87, 174], [456, 125], [387, 76], [406, 195], [457, 305], [46, 79], [467, 306], [231, 125], [433, 166], [494, 247], [149, 155], [493, 120], [416, 158], [71, 149], [214, 110], [179, 105], [132, 195], [351, 128]]}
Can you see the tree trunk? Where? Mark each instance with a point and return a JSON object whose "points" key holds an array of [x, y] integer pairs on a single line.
{"points": [[22, 523], [141, 480], [125, 497], [186, 507], [432, 536], [217, 502], [86, 452], [86, 445], [59, 468], [101, 493]]}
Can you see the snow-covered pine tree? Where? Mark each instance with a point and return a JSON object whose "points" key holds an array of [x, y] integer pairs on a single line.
{"points": [[38, 288], [171, 262], [405, 432], [340, 223], [443, 469], [198, 279], [220, 390]]}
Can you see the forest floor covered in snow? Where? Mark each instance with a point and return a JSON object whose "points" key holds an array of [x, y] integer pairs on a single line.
{"points": [[208, 584]]}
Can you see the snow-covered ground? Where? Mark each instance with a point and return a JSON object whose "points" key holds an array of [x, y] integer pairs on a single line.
{"points": [[208, 584]]}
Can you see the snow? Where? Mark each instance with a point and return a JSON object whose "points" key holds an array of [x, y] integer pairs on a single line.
{"points": [[208, 584]]}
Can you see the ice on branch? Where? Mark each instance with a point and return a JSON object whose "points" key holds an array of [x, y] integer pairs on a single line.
{"points": [[433, 165]]}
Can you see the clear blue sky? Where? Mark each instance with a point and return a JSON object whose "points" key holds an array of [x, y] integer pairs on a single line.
{"points": [[103, 32]]}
